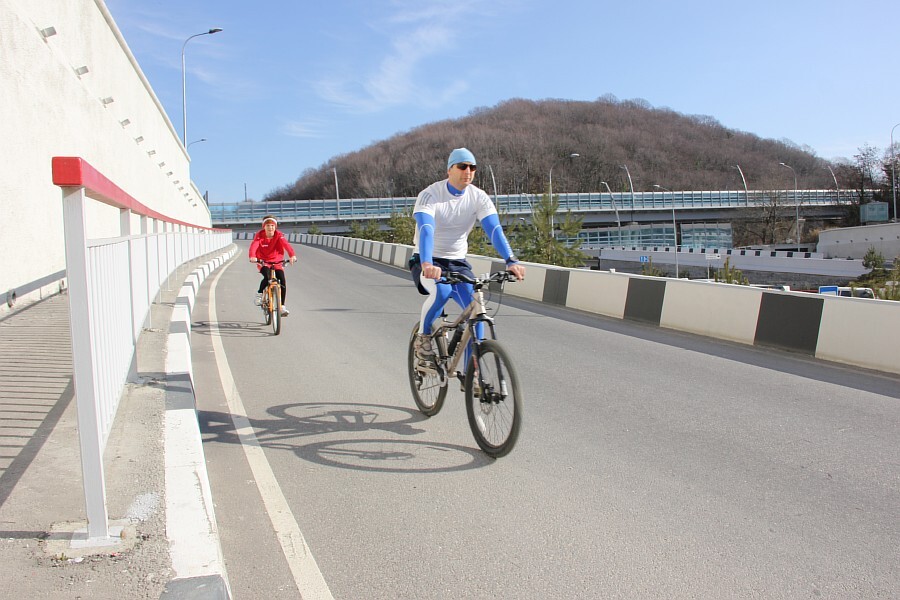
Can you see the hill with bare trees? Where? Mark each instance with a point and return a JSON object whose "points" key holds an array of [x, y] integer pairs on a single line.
{"points": [[518, 141]]}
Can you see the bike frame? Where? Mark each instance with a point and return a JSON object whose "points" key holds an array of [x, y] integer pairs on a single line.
{"points": [[273, 283], [489, 381], [269, 306], [474, 313], [270, 289]]}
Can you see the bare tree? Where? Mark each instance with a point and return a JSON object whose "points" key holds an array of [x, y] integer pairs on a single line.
{"points": [[518, 137]]}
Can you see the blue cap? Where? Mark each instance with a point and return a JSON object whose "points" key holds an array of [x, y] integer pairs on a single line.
{"points": [[461, 155]]}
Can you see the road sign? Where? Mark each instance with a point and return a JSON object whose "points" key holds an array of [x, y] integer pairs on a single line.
{"points": [[712, 257], [645, 259]]}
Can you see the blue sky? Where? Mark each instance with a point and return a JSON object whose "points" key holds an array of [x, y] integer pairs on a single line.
{"points": [[289, 85]]}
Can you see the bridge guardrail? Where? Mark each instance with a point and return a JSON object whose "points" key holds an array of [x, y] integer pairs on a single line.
{"points": [[522, 204], [112, 283]]}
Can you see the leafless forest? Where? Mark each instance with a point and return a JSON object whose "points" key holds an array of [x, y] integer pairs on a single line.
{"points": [[520, 140]]}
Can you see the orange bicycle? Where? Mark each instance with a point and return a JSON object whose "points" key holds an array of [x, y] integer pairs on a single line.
{"points": [[271, 296]]}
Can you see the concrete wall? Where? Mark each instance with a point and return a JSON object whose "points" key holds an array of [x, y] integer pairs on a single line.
{"points": [[745, 260], [854, 331], [53, 107], [854, 242]]}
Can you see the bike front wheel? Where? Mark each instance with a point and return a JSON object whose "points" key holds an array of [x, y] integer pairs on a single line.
{"points": [[266, 305], [275, 307], [493, 399], [428, 388]]}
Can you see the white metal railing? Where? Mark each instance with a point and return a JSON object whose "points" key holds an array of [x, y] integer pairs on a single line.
{"points": [[112, 284]]}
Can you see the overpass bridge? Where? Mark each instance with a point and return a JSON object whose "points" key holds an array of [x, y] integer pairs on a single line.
{"points": [[610, 219]]}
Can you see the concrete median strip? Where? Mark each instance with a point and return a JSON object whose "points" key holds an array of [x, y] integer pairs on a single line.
{"points": [[191, 528]]}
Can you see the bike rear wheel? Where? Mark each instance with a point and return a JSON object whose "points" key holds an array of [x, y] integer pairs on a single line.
{"points": [[428, 389], [493, 399], [276, 310]]}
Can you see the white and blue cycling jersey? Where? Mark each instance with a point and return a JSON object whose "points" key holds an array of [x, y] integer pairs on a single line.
{"points": [[444, 217]]}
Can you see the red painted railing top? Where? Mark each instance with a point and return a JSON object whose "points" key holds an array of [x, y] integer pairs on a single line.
{"points": [[74, 171]]}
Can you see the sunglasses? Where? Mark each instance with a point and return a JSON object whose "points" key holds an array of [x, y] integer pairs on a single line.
{"points": [[463, 167]]}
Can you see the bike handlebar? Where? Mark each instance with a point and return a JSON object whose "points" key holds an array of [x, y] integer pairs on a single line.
{"points": [[266, 263], [498, 277]]}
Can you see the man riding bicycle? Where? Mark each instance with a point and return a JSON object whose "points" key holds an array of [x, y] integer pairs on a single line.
{"points": [[269, 245], [445, 213]]}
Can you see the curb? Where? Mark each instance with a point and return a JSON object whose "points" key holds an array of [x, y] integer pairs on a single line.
{"points": [[191, 529]]}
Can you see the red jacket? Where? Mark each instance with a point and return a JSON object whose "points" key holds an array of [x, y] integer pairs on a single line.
{"points": [[270, 249]]}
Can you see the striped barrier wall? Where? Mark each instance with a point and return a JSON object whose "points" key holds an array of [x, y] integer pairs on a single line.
{"points": [[854, 331]]}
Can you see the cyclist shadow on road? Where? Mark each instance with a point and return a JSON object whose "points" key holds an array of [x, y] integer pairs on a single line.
{"points": [[239, 329], [346, 425]]}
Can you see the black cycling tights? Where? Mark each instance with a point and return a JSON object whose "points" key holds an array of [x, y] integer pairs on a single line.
{"points": [[279, 275]]}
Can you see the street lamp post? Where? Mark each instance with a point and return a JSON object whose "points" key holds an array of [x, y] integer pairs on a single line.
{"points": [[837, 188], [796, 201], [744, 181], [195, 142], [630, 187], [893, 179], [494, 181], [183, 83], [616, 209], [337, 193], [674, 226], [553, 215]]}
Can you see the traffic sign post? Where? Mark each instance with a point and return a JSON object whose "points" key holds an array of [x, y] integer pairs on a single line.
{"points": [[710, 257]]}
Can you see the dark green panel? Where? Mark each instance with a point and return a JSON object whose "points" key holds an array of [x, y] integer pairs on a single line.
{"points": [[556, 287], [645, 299], [789, 322]]}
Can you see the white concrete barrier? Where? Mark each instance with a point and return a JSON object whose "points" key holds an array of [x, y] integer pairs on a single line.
{"points": [[194, 544], [861, 332], [598, 292], [853, 331], [718, 310]]}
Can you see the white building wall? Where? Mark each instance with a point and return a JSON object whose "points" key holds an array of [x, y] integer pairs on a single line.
{"points": [[854, 242], [49, 109]]}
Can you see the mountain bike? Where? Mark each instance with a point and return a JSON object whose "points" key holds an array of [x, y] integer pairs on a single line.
{"points": [[271, 297], [492, 393]]}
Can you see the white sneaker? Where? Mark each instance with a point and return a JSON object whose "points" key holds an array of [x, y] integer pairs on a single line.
{"points": [[258, 300], [284, 311], [423, 348]]}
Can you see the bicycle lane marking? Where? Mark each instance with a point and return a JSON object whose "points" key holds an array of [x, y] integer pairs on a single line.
{"points": [[307, 576]]}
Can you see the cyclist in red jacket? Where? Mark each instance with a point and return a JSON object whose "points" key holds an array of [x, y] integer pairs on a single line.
{"points": [[270, 245]]}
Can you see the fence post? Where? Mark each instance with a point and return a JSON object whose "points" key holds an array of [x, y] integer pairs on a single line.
{"points": [[135, 328], [86, 400]]}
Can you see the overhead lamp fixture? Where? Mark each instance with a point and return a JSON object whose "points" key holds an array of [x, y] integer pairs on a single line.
{"points": [[125, 122], [107, 100], [162, 164], [139, 139], [151, 152], [48, 32], [177, 181], [169, 173], [81, 71]]}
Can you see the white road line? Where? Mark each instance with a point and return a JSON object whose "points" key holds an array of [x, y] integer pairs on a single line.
{"points": [[307, 577]]}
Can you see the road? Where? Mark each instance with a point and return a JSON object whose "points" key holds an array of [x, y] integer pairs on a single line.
{"points": [[652, 464]]}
